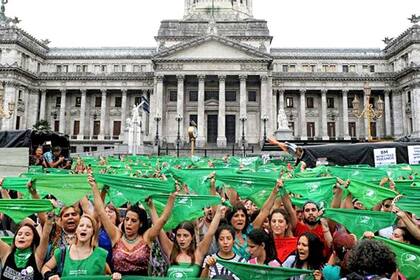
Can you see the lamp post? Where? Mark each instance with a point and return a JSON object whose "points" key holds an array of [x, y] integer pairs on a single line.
{"points": [[178, 136], [265, 119], [243, 140], [157, 141], [368, 112]]}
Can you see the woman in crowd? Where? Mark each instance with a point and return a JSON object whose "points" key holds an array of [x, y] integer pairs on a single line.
{"points": [[336, 268], [38, 158], [131, 247], [83, 258], [371, 259], [185, 255], [280, 225], [225, 236], [26, 255], [103, 238], [261, 248], [309, 255], [238, 218]]}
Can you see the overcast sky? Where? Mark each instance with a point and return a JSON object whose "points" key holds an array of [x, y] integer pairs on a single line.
{"points": [[293, 23]]}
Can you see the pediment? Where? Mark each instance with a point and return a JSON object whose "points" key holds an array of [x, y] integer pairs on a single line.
{"points": [[212, 48]]}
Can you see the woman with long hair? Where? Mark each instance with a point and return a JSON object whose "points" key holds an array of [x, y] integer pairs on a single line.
{"points": [[238, 218], [225, 237], [83, 258], [185, 255], [261, 248], [26, 255], [309, 255], [131, 245]]}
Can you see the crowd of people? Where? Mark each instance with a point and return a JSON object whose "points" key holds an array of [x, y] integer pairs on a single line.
{"points": [[94, 237]]}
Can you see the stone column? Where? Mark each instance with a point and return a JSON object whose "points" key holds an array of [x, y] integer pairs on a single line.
{"points": [[324, 124], [101, 135], [221, 132], [302, 115], [242, 96], [9, 97], [346, 134], [180, 106], [26, 96], [404, 112], [62, 126], [272, 122], [388, 126], [33, 108], [396, 113], [43, 104], [159, 104], [82, 126], [264, 106], [365, 119], [123, 112], [201, 138], [416, 110]]}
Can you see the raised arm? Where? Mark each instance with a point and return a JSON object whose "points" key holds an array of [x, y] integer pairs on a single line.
{"points": [[287, 203], [204, 245], [411, 226], [165, 242], [113, 232], [4, 251], [265, 210], [42, 248], [158, 224]]}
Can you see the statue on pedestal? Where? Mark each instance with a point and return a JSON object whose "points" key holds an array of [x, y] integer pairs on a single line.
{"points": [[135, 133]]}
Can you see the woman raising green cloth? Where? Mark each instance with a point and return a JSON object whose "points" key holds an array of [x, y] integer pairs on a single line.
{"points": [[184, 254], [84, 258], [24, 259]]}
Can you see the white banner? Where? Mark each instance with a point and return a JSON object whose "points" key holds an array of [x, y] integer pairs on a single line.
{"points": [[414, 154], [385, 156]]}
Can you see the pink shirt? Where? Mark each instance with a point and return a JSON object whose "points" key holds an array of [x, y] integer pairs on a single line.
{"points": [[273, 263]]}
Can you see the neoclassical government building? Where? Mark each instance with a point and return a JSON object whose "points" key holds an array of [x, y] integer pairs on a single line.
{"points": [[217, 67]]}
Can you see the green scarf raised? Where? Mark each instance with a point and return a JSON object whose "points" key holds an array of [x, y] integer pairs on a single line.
{"points": [[359, 221], [19, 209], [22, 257], [262, 272], [410, 204], [407, 257], [369, 194], [186, 207]]}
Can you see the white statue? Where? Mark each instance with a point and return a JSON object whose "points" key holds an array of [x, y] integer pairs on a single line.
{"points": [[135, 133]]}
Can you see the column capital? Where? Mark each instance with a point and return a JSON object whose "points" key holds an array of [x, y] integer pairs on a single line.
{"points": [[387, 91], [302, 91], [83, 91], [243, 77], [103, 91], [201, 78], [264, 78], [159, 78], [124, 91], [324, 91], [222, 78], [281, 91], [180, 77], [63, 90], [345, 91]]}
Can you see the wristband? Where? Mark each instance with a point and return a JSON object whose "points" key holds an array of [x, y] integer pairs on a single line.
{"points": [[49, 274]]}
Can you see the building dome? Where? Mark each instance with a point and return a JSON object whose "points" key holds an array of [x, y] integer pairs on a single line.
{"points": [[220, 9]]}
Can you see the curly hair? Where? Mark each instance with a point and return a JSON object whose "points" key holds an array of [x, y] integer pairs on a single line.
{"points": [[372, 257]]}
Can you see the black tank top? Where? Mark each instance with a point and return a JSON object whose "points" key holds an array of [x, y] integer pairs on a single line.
{"points": [[11, 272]]}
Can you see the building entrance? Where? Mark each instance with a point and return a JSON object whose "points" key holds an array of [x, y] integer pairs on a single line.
{"points": [[212, 128], [230, 129]]}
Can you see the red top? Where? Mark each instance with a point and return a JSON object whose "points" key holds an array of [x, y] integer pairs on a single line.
{"points": [[134, 261], [285, 246]]}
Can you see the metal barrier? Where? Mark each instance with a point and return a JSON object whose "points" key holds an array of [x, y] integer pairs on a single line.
{"points": [[205, 151]]}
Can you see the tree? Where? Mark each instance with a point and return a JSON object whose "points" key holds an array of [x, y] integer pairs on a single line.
{"points": [[42, 125]]}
